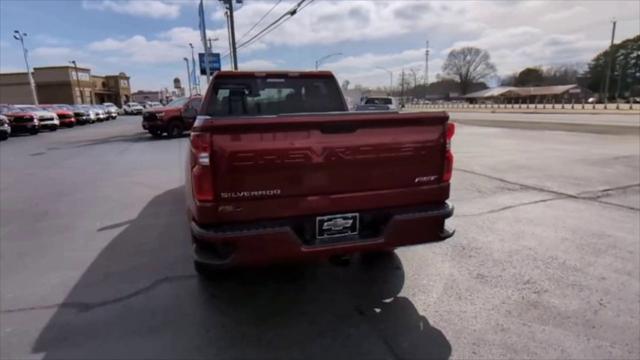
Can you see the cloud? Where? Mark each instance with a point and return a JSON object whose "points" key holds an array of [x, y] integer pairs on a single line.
{"points": [[257, 64], [52, 54], [516, 48], [143, 8], [564, 14]]}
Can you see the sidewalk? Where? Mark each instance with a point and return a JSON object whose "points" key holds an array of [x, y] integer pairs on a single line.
{"points": [[539, 109], [618, 123]]}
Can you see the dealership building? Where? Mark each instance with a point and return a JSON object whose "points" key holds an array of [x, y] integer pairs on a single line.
{"points": [[65, 85]]}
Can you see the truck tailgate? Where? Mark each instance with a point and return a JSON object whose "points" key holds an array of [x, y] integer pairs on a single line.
{"points": [[329, 154]]}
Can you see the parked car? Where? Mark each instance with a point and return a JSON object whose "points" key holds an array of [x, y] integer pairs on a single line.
{"points": [[65, 115], [133, 108], [5, 128], [101, 113], [174, 119], [82, 114], [152, 104], [278, 170], [91, 111], [112, 110], [23, 120], [46, 119]]}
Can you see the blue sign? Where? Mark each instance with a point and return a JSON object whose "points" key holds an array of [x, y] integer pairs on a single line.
{"points": [[214, 63]]}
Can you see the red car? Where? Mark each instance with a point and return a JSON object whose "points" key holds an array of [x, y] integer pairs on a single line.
{"points": [[64, 112], [23, 120], [280, 171], [174, 119]]}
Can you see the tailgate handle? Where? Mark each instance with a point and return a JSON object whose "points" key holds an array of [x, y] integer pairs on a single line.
{"points": [[338, 128]]}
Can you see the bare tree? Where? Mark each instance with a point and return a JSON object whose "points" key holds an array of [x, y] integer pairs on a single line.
{"points": [[469, 65], [415, 75]]}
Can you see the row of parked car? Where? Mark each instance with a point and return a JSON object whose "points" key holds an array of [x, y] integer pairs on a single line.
{"points": [[32, 119]]}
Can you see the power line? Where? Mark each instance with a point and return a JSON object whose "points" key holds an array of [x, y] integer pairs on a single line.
{"points": [[259, 21], [275, 24], [279, 21]]}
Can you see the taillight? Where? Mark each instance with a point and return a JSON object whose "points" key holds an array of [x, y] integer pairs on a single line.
{"points": [[201, 167], [448, 155]]}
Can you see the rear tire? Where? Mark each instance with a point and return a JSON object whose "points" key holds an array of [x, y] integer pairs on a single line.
{"points": [[34, 131], [155, 133], [206, 271], [4, 136], [175, 129], [55, 128]]}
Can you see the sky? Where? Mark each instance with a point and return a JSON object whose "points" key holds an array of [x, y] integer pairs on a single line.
{"points": [[149, 39]]}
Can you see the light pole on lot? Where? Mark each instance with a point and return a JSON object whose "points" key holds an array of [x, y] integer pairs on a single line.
{"points": [[390, 77], [319, 61], [188, 74], [196, 84], [75, 66], [18, 35]]}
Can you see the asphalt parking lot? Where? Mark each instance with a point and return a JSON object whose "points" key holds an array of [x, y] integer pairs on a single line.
{"points": [[95, 259]]}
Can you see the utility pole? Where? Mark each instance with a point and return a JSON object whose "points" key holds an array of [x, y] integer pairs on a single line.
{"points": [[609, 61], [203, 38], [426, 65], [232, 33], [20, 37], [75, 65], [231, 61], [188, 75]]}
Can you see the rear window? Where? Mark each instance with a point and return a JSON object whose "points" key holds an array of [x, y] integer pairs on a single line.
{"points": [[378, 101], [273, 96]]}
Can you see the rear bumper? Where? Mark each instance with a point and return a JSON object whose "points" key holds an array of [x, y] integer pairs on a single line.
{"points": [[23, 127], [67, 122], [288, 240]]}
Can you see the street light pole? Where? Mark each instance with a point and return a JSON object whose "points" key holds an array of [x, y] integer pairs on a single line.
{"points": [[188, 75], [196, 84], [319, 61], [75, 65], [20, 36], [390, 77]]}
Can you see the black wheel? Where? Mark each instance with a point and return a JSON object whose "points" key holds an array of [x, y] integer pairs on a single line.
{"points": [[4, 136], [175, 129], [156, 133], [55, 128], [206, 271], [71, 125], [34, 131]]}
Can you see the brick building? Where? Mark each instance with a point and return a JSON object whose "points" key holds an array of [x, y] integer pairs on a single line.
{"points": [[63, 85]]}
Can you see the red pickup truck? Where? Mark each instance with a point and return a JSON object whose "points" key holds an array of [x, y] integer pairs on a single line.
{"points": [[174, 118], [278, 170]]}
